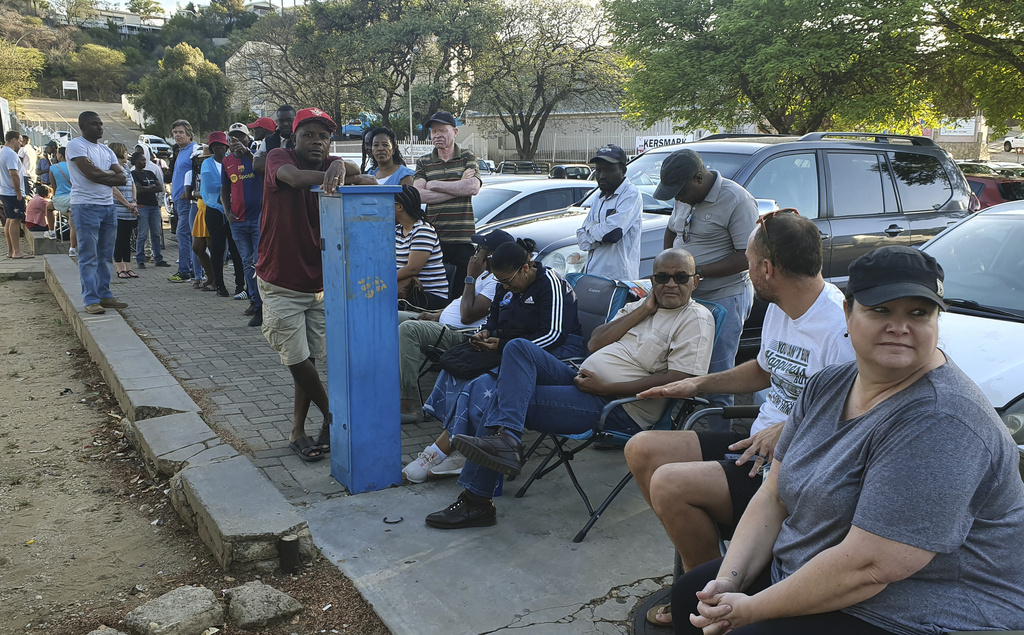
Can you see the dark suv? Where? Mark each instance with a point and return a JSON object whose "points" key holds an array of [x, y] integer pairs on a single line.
{"points": [[862, 191]]}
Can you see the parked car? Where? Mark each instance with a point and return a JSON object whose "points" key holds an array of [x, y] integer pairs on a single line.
{"points": [[990, 184], [1013, 142], [579, 171], [486, 167], [983, 331], [862, 191], [523, 167], [509, 200], [157, 145]]}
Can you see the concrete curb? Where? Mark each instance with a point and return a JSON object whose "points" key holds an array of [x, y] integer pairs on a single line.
{"points": [[237, 512]]}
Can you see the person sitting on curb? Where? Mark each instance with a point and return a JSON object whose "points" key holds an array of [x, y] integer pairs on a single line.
{"points": [[665, 337], [685, 476], [416, 330]]}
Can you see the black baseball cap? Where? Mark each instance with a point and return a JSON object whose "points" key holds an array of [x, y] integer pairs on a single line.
{"points": [[612, 154], [442, 116], [493, 238], [676, 171], [889, 273]]}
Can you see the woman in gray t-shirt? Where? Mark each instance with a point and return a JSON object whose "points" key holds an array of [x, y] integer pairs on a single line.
{"points": [[895, 503]]}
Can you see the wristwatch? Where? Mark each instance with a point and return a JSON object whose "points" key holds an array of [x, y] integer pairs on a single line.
{"points": [[470, 280]]}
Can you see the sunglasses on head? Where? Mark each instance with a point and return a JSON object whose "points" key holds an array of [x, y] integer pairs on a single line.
{"points": [[680, 278], [763, 222]]}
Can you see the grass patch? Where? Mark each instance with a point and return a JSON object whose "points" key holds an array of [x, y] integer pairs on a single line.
{"points": [[16, 480]]}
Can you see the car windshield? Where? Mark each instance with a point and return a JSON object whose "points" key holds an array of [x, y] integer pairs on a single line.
{"points": [[645, 173], [982, 261], [976, 168], [488, 200]]}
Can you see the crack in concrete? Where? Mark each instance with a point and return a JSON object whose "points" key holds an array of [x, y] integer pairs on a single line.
{"points": [[591, 606]]}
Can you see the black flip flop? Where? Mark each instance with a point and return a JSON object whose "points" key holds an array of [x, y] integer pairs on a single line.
{"points": [[304, 447], [324, 439]]}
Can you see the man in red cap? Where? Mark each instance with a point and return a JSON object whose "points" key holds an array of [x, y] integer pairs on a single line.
{"points": [[260, 129], [281, 136], [289, 273]]}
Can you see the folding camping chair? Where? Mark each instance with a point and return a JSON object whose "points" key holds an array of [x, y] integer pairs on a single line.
{"points": [[675, 414]]}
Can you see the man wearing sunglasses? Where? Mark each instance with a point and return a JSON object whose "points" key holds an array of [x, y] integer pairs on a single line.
{"points": [[661, 339], [712, 218], [686, 476]]}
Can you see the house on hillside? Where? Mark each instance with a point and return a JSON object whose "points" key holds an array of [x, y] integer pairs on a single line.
{"points": [[252, 86], [127, 23]]}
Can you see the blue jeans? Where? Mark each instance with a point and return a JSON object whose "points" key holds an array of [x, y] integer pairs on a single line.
{"points": [[149, 219], [183, 208], [96, 228], [535, 390], [723, 357], [247, 239]]}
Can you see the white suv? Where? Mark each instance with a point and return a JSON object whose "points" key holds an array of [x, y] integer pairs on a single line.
{"points": [[158, 146]]}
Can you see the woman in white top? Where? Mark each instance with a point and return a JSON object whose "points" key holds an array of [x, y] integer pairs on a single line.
{"points": [[386, 163], [421, 279]]}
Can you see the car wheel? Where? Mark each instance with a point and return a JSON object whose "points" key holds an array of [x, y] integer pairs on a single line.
{"points": [[1007, 147]]}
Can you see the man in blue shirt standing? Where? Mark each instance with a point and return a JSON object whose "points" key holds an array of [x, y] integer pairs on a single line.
{"points": [[184, 208]]}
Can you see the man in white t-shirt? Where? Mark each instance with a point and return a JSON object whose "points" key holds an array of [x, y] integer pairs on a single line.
{"points": [[94, 170], [416, 330], [685, 475], [663, 338], [28, 156], [13, 193]]}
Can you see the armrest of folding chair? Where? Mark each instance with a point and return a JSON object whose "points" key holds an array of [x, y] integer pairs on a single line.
{"points": [[607, 410], [740, 412]]}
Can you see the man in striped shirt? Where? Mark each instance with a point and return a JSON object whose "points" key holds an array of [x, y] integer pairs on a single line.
{"points": [[447, 179]]}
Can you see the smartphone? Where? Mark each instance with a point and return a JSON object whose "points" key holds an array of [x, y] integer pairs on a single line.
{"points": [[469, 336], [736, 457]]}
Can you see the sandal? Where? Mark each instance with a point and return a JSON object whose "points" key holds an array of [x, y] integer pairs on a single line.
{"points": [[123, 274], [132, 274], [307, 449], [661, 610], [324, 438]]}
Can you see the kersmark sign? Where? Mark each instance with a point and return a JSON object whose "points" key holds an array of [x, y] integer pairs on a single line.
{"points": [[644, 144]]}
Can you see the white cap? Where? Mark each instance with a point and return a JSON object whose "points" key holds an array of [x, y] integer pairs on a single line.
{"points": [[238, 127]]}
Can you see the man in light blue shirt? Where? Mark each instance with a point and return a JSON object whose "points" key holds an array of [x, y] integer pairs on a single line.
{"points": [[184, 207], [612, 229]]}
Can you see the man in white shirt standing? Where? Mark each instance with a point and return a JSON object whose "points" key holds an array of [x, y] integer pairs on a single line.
{"points": [[12, 192], [94, 170], [611, 231], [28, 156]]}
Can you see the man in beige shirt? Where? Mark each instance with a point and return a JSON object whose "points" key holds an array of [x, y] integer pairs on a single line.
{"points": [[663, 338]]}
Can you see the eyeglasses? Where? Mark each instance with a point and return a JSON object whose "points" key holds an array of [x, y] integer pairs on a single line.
{"points": [[680, 278], [506, 281], [686, 228], [763, 222]]}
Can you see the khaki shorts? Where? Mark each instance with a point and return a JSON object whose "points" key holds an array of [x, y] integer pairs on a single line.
{"points": [[294, 323]]}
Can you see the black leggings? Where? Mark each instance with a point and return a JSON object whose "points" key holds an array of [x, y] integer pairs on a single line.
{"points": [[684, 602], [123, 240], [218, 229], [458, 255], [236, 262]]}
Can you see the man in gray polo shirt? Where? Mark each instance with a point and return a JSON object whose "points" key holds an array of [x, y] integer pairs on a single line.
{"points": [[712, 219]]}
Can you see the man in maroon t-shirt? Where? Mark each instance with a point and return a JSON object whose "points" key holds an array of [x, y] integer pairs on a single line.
{"points": [[289, 273]]}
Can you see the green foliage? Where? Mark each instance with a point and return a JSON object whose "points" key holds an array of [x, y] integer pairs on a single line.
{"points": [[186, 86], [981, 58], [74, 12], [145, 8], [544, 56], [794, 66], [99, 70], [19, 70]]}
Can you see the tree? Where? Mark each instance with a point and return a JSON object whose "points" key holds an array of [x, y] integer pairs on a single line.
{"points": [[19, 69], [74, 12], [99, 70], [544, 56], [793, 66], [981, 53], [145, 9], [186, 86]]}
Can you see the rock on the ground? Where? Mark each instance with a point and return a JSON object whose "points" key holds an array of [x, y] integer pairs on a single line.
{"points": [[187, 610], [255, 605], [106, 630]]}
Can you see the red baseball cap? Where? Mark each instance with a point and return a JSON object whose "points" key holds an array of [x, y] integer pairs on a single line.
{"points": [[264, 122], [309, 115], [217, 137]]}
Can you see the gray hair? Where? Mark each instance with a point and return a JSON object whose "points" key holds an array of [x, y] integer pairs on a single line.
{"points": [[182, 123]]}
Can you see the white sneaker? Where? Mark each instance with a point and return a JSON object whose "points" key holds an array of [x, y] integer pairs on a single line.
{"points": [[242, 295], [50, 234], [72, 252], [416, 472], [451, 466]]}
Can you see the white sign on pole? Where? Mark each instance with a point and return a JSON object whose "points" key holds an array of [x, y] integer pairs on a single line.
{"points": [[70, 85], [959, 128]]}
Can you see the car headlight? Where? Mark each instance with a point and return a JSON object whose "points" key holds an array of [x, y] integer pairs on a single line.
{"points": [[1013, 417], [570, 259]]}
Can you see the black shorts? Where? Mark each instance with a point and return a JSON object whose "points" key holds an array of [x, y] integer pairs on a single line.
{"points": [[713, 447], [13, 208]]}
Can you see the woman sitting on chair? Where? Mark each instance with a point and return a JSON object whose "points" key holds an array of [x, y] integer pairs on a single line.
{"points": [[894, 503], [421, 279]]}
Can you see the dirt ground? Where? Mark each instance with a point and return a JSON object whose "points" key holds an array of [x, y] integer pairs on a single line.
{"points": [[85, 534]]}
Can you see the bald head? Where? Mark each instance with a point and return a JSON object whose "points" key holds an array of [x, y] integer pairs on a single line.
{"points": [[674, 256]]}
